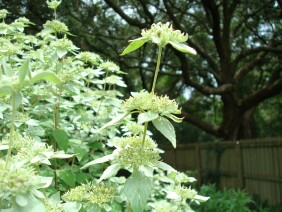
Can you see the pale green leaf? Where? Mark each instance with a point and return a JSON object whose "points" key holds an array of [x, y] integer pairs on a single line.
{"points": [[166, 128], [114, 121], [62, 155], [46, 75], [165, 167], [146, 117], [7, 69], [174, 118], [110, 171], [183, 48], [135, 44], [23, 71], [72, 206], [61, 53], [33, 205], [6, 90], [4, 147], [45, 182], [18, 99], [137, 189], [172, 195], [200, 198], [21, 200], [103, 159]]}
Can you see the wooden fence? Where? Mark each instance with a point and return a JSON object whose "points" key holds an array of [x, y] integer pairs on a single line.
{"points": [[253, 165]]}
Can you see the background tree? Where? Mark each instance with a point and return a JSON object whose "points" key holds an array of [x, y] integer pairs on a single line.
{"points": [[227, 90]]}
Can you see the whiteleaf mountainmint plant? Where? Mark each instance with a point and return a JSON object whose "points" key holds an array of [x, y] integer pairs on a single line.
{"points": [[139, 153], [62, 119]]}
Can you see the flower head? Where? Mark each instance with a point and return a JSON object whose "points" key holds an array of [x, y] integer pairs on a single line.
{"points": [[89, 57], [16, 178], [97, 194], [110, 66], [144, 102], [53, 4], [161, 34], [3, 13], [56, 26], [131, 153]]}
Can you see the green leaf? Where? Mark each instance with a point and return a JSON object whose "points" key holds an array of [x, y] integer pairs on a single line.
{"points": [[68, 177], [183, 48], [137, 189], [114, 121], [6, 90], [200, 198], [18, 99], [98, 160], [45, 182], [165, 167], [33, 205], [7, 69], [166, 128], [146, 117], [135, 44], [46, 75], [4, 147], [23, 71], [61, 137], [174, 118], [72, 206], [61, 52], [110, 171], [21, 200]]}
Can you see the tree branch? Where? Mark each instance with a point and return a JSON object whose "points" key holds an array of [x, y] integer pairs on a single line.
{"points": [[206, 90], [249, 66], [266, 92], [215, 71], [209, 128], [129, 20]]}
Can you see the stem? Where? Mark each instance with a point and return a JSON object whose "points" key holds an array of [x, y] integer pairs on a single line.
{"points": [[144, 133], [128, 207], [153, 89], [157, 68], [12, 128]]}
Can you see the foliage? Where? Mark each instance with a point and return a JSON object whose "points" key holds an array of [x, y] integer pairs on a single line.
{"points": [[57, 110], [226, 200]]}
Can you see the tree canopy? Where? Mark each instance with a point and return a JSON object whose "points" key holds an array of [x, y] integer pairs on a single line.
{"points": [[228, 89]]}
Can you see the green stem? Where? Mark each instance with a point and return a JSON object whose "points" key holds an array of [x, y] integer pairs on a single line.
{"points": [[144, 133], [12, 128], [157, 68], [128, 207], [153, 89]]}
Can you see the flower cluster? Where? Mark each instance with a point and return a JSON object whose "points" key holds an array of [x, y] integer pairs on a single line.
{"points": [[131, 153], [96, 194], [144, 101], [27, 148], [53, 4], [89, 57], [16, 178], [3, 13], [185, 193], [52, 206], [133, 129], [56, 26], [162, 34], [64, 44], [111, 66]]}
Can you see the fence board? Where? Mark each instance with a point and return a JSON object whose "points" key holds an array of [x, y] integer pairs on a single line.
{"points": [[253, 165]]}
